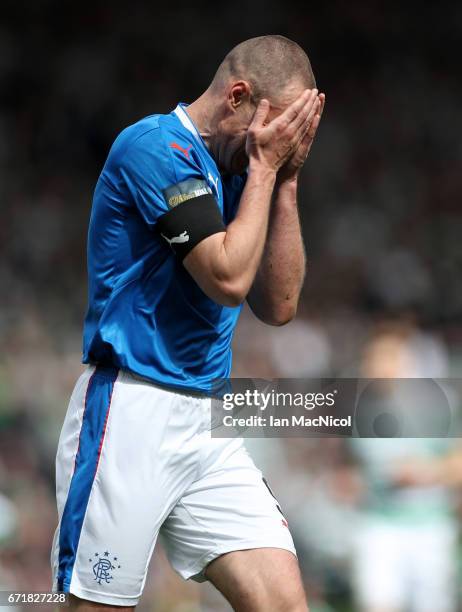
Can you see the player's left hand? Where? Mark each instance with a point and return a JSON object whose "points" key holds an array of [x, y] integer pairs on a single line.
{"points": [[289, 171]]}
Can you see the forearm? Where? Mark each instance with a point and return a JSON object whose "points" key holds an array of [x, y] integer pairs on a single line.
{"points": [[279, 279], [233, 256], [245, 236]]}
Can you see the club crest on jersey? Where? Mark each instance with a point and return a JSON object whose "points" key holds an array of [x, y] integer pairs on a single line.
{"points": [[185, 151], [103, 567], [186, 190]]}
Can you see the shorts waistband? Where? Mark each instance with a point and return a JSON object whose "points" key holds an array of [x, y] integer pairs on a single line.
{"points": [[110, 370]]}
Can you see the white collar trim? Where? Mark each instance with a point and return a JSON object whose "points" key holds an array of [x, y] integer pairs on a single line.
{"points": [[186, 121]]}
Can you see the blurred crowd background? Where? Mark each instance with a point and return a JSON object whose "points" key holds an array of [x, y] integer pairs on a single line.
{"points": [[376, 522]]}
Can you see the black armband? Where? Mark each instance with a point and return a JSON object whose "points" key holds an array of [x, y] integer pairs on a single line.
{"points": [[189, 222]]}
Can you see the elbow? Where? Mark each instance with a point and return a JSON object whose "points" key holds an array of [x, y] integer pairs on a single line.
{"points": [[280, 316], [280, 321], [231, 293]]}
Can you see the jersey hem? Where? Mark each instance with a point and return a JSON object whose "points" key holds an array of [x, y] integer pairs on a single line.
{"points": [[182, 390]]}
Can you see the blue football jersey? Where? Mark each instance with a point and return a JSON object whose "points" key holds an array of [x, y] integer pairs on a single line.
{"points": [[145, 312]]}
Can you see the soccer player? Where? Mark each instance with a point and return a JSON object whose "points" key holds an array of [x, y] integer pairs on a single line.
{"points": [[193, 213]]}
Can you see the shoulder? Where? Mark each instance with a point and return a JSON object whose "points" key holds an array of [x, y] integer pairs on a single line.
{"points": [[144, 149], [136, 136], [155, 136]]}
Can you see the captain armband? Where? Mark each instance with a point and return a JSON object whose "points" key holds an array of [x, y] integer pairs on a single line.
{"points": [[194, 215]]}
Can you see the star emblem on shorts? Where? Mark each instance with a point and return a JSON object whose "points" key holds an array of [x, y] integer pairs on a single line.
{"points": [[106, 553]]}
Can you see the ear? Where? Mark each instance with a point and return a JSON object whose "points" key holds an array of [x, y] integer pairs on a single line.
{"points": [[239, 93]]}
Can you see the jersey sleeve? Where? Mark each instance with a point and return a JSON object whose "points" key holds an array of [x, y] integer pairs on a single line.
{"points": [[145, 168], [171, 192]]}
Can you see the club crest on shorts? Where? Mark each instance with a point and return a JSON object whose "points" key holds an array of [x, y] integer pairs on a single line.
{"points": [[103, 567]]}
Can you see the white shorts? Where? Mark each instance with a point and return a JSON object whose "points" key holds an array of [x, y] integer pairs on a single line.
{"points": [[134, 460]]}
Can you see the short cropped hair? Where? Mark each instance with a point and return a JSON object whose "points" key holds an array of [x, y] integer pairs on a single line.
{"points": [[268, 64]]}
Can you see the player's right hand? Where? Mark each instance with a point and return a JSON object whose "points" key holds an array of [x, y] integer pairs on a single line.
{"points": [[271, 144]]}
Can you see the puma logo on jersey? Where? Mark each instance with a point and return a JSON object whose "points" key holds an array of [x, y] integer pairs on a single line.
{"points": [[214, 182], [175, 145], [183, 237]]}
